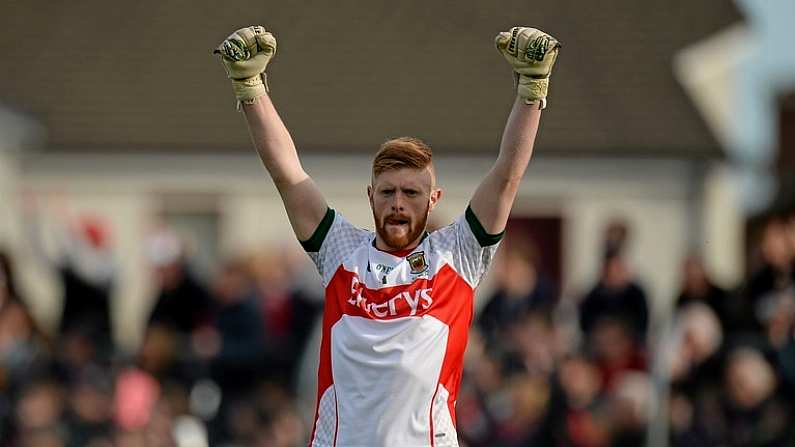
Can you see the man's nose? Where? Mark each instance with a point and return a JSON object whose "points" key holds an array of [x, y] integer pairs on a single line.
{"points": [[397, 202]]}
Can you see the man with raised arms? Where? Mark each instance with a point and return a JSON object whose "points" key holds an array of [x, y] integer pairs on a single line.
{"points": [[398, 300]]}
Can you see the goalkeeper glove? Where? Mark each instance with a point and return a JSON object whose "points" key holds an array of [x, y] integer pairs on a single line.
{"points": [[532, 54], [245, 55]]}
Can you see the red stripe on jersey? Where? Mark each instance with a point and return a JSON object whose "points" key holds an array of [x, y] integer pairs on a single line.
{"points": [[331, 314], [457, 312]]}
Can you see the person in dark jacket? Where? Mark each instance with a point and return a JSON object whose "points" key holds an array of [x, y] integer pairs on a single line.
{"points": [[233, 344], [182, 303], [698, 287], [616, 297]]}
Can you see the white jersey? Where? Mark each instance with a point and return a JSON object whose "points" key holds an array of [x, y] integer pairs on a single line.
{"points": [[395, 328]]}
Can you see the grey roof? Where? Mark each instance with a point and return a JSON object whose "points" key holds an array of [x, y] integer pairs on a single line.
{"points": [[139, 75]]}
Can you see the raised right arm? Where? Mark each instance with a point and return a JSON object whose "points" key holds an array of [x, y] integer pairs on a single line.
{"points": [[245, 55], [302, 199]]}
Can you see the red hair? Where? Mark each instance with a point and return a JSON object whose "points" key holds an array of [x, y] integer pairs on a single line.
{"points": [[403, 152]]}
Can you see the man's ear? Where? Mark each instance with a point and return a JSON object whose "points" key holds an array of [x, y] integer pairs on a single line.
{"points": [[370, 194], [436, 196]]}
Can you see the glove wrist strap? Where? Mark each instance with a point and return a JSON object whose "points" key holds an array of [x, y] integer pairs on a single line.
{"points": [[249, 89], [533, 90]]}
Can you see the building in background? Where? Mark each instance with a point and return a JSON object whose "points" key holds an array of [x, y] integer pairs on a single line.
{"points": [[620, 138]]}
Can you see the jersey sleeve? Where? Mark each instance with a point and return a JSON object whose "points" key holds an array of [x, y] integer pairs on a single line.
{"points": [[333, 239], [467, 245]]}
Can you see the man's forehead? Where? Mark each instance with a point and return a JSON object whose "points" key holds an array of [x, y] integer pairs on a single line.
{"points": [[405, 177]]}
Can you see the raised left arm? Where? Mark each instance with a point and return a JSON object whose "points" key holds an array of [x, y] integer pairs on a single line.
{"points": [[531, 53], [494, 197]]}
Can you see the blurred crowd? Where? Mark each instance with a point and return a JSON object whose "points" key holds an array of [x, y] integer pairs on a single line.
{"points": [[217, 364], [221, 353], [596, 370]]}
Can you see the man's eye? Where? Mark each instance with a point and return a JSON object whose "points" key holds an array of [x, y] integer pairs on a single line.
{"points": [[411, 193], [388, 192]]}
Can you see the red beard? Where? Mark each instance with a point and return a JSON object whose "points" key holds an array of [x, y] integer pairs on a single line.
{"points": [[400, 241]]}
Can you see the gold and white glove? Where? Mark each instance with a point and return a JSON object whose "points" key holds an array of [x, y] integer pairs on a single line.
{"points": [[245, 55], [532, 54]]}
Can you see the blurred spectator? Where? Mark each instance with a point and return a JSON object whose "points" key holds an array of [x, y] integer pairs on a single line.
{"points": [[22, 360], [695, 366], [23, 349], [87, 270], [520, 289], [697, 286], [289, 309], [532, 344], [482, 404], [39, 414], [280, 425], [629, 408], [695, 349], [616, 238], [233, 345], [778, 315], [617, 297], [136, 393], [283, 429], [615, 351], [752, 414], [579, 413], [685, 425], [164, 357], [89, 409], [182, 304], [781, 338], [528, 397], [776, 272]]}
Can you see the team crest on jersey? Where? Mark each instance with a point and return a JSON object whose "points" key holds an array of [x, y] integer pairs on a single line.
{"points": [[417, 262]]}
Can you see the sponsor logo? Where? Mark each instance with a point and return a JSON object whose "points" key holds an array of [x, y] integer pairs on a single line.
{"points": [[403, 303], [417, 262]]}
